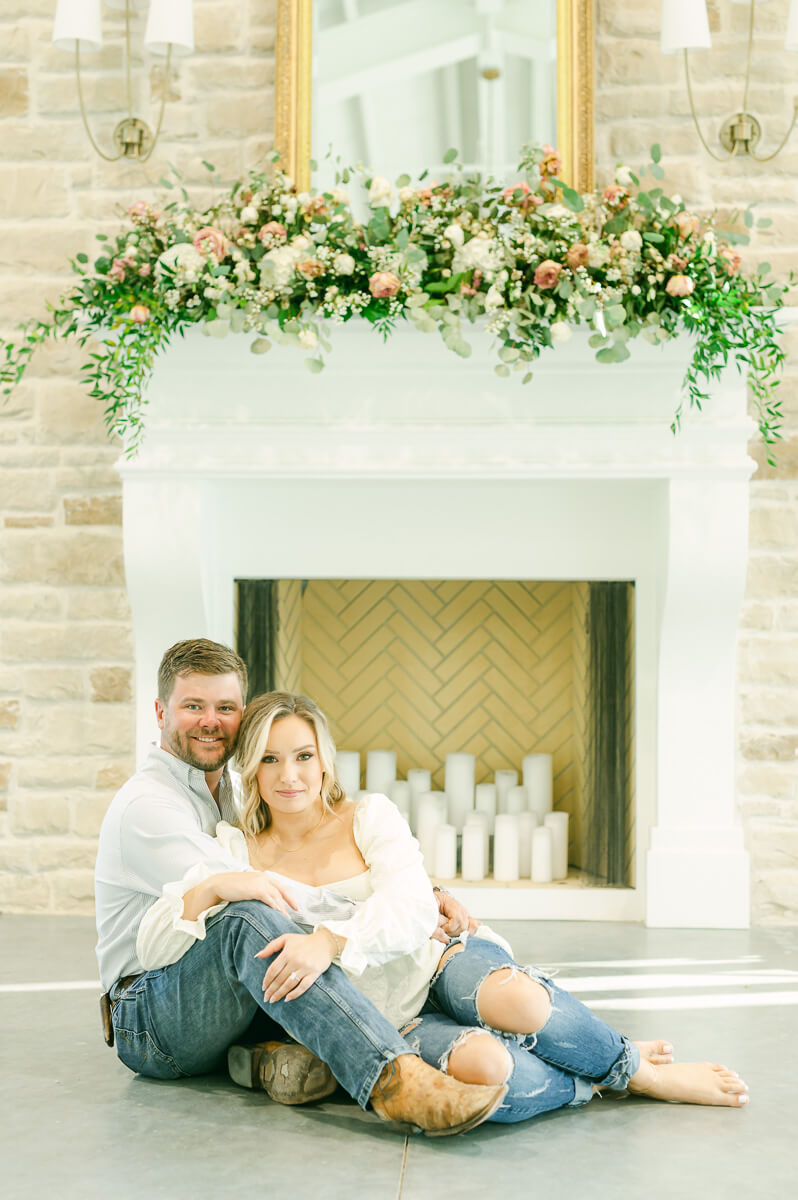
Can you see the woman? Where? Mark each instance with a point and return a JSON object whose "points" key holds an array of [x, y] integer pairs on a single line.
{"points": [[360, 889]]}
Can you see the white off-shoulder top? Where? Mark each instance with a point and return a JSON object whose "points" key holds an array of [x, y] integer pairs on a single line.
{"points": [[387, 913]]}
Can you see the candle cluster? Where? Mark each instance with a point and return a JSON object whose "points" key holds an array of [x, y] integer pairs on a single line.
{"points": [[528, 839]]}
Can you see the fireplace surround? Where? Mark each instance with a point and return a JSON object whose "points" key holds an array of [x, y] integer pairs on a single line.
{"points": [[403, 461]]}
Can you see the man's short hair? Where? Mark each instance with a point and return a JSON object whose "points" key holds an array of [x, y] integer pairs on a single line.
{"points": [[202, 657]]}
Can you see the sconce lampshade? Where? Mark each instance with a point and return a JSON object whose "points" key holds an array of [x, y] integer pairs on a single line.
{"points": [[171, 22], [135, 5], [684, 26], [77, 21], [791, 40]]}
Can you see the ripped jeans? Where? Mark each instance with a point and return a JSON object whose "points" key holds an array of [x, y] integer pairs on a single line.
{"points": [[559, 1065]]}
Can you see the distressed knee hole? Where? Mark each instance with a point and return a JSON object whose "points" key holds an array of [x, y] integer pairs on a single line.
{"points": [[447, 954], [478, 1057], [509, 1000]]}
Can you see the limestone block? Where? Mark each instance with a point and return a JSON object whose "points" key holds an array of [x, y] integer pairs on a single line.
{"points": [[29, 522], [229, 117], [71, 891], [774, 527], [770, 706], [32, 139], [53, 853], [755, 806], [786, 455], [44, 771], [772, 575], [93, 475], [32, 603], [787, 617], [23, 894], [16, 43], [110, 684], [627, 18], [15, 855], [62, 557], [231, 74], [97, 604], [757, 616], [5, 775], [22, 297], [640, 62], [22, 641], [53, 683], [13, 91], [613, 103], [769, 660], [770, 747], [113, 775], [80, 729], [25, 455], [261, 39], [777, 781], [39, 812], [87, 812], [93, 510], [774, 896], [65, 412], [57, 96], [228, 160], [9, 714], [773, 843], [34, 191], [218, 29]]}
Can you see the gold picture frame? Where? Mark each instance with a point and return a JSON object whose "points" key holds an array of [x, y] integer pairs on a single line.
{"points": [[575, 90]]}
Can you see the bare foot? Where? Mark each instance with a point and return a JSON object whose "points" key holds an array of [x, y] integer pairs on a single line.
{"points": [[655, 1052], [690, 1083]]}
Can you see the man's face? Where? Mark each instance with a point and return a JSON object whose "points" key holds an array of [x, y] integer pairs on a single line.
{"points": [[199, 722]]}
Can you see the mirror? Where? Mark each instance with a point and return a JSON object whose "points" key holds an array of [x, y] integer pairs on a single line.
{"points": [[394, 83]]}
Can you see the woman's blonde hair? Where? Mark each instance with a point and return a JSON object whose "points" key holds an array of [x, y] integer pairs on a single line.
{"points": [[253, 738]]}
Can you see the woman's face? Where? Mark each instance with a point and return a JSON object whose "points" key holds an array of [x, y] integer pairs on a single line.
{"points": [[290, 773]]}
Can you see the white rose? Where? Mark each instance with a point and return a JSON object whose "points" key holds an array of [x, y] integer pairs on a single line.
{"points": [[301, 243], [307, 339], [340, 195], [454, 234], [631, 240], [380, 192], [556, 211], [597, 255], [494, 299], [560, 332], [480, 253], [343, 264], [623, 176], [406, 194], [249, 215], [182, 257]]}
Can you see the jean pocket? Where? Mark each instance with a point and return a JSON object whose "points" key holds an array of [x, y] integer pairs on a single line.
{"points": [[139, 1052]]}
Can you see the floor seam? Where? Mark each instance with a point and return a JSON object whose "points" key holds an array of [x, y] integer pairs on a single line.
{"points": [[403, 1168]]}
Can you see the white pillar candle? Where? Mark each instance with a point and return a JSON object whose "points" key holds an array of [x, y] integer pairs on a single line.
{"points": [[504, 781], [459, 785], [517, 800], [505, 848], [380, 770], [431, 813], [485, 802], [482, 821], [420, 780], [445, 851], [399, 792], [557, 822], [541, 855], [539, 782], [527, 822], [347, 768], [475, 851]]}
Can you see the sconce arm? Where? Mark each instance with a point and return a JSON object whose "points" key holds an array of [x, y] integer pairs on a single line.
{"points": [[157, 133], [84, 118], [767, 157], [710, 152]]}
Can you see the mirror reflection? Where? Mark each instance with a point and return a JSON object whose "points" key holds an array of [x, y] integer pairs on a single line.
{"points": [[398, 82]]}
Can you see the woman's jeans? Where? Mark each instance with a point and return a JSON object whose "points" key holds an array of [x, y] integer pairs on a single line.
{"points": [[557, 1066], [180, 1020]]}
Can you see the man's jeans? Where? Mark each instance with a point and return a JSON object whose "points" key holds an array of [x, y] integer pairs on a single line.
{"points": [[180, 1020]]}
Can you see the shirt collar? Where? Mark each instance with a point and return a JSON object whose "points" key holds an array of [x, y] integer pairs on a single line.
{"points": [[190, 777]]}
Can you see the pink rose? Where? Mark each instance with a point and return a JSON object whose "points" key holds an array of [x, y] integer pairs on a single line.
{"points": [[309, 268], [139, 313], [145, 270], [615, 196], [674, 263], [117, 270], [529, 199], [551, 163], [687, 224], [142, 210], [383, 284], [680, 285], [577, 255], [547, 274], [271, 230], [210, 242], [729, 259]]}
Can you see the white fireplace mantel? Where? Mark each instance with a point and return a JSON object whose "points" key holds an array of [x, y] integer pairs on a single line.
{"points": [[402, 460]]}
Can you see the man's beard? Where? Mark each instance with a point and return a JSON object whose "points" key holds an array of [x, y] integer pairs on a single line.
{"points": [[182, 747]]}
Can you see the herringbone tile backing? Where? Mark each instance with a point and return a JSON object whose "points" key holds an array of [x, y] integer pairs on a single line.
{"points": [[430, 667]]}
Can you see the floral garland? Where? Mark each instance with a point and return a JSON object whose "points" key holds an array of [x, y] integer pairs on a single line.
{"points": [[533, 260]]}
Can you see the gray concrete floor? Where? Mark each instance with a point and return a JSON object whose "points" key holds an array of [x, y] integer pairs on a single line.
{"points": [[76, 1123]]}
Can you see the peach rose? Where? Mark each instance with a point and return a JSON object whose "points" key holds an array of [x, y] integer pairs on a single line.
{"points": [[117, 270], [551, 163], [547, 274], [730, 260], [674, 263], [145, 270], [680, 285], [383, 284], [272, 229], [210, 242], [529, 199], [687, 224], [577, 255], [142, 210], [309, 268], [139, 313], [615, 196]]}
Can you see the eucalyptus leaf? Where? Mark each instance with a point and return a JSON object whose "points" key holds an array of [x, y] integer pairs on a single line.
{"points": [[613, 354], [501, 371], [314, 365], [217, 328], [450, 155], [260, 346], [508, 354], [237, 321]]}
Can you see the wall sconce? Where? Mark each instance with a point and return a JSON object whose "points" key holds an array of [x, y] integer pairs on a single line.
{"points": [[169, 30], [685, 27]]}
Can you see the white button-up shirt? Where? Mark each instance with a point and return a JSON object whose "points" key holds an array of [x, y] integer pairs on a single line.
{"points": [[158, 825]]}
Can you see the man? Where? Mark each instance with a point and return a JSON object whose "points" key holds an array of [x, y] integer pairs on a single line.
{"points": [[181, 1019]]}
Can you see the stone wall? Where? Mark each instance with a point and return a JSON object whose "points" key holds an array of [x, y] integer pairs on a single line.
{"points": [[65, 643]]}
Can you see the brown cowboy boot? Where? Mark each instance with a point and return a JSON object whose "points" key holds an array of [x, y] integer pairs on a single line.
{"points": [[287, 1072], [418, 1097]]}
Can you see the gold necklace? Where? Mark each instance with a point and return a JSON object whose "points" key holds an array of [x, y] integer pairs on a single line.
{"points": [[304, 837]]}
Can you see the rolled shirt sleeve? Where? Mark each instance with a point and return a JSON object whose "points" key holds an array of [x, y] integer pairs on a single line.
{"points": [[401, 914]]}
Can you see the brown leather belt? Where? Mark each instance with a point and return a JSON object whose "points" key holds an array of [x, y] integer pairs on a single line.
{"points": [[105, 1006]]}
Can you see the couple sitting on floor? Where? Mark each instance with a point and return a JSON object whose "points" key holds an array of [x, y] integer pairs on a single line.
{"points": [[232, 913]]}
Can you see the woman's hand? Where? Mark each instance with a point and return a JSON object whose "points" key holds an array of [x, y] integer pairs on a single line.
{"points": [[453, 918], [301, 958], [233, 886]]}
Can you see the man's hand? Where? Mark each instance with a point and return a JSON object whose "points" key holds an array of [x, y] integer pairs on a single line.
{"points": [[301, 958], [454, 918], [237, 885]]}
